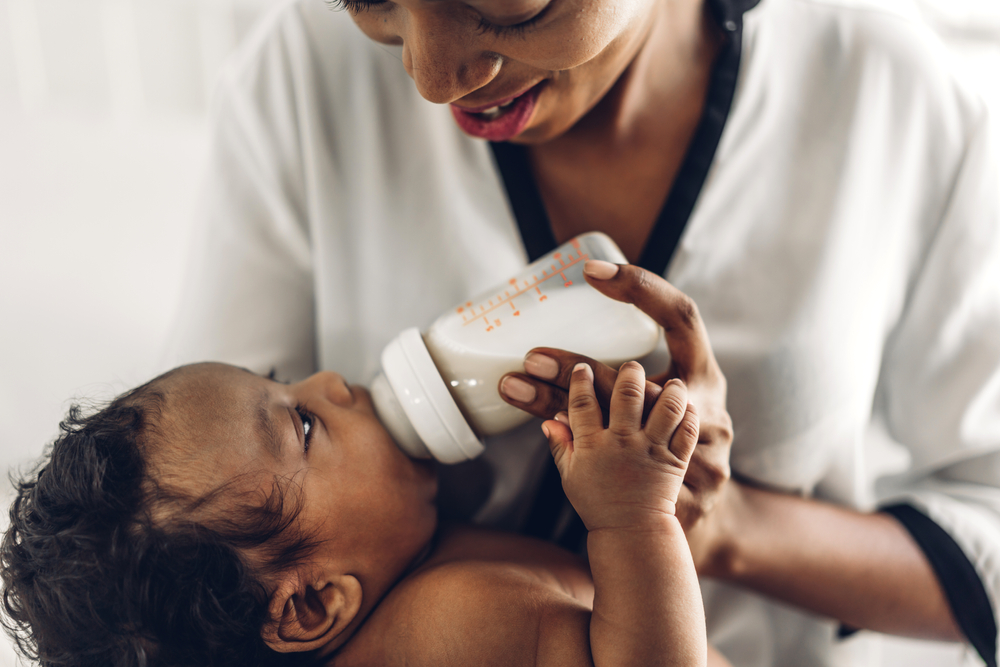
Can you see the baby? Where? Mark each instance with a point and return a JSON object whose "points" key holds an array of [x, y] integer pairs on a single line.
{"points": [[217, 517]]}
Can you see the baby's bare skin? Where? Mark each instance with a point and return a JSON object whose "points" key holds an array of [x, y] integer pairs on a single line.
{"points": [[365, 595], [488, 599], [480, 599]]}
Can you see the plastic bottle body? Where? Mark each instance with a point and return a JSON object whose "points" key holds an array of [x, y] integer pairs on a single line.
{"points": [[471, 347]]}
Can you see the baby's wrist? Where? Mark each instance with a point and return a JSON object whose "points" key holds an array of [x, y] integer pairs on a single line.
{"points": [[636, 511], [648, 523]]}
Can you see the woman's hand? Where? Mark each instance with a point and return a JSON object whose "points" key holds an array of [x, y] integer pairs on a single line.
{"points": [[548, 373]]}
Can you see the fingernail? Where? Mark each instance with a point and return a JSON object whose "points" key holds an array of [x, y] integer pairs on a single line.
{"points": [[517, 390], [584, 367], [598, 268], [562, 417], [545, 430], [541, 366]]}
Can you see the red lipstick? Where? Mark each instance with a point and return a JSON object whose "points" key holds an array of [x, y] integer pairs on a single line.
{"points": [[500, 120]]}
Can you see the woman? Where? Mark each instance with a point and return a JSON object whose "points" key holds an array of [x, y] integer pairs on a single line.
{"points": [[805, 170]]}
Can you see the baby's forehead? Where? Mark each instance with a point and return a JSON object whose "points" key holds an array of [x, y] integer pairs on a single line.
{"points": [[211, 416]]}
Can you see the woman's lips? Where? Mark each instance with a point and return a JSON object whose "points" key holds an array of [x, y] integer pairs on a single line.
{"points": [[500, 120]]}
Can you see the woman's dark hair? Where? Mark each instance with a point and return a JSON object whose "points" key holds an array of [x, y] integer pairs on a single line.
{"points": [[101, 565]]}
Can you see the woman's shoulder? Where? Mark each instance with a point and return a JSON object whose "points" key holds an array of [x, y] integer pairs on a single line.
{"points": [[882, 44]]}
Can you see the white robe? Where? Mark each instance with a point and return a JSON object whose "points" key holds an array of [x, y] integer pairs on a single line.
{"points": [[844, 253]]}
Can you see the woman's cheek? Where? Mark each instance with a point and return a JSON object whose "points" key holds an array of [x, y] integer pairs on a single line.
{"points": [[581, 37], [378, 28]]}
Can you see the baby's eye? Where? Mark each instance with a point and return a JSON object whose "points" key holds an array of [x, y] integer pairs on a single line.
{"points": [[308, 421]]}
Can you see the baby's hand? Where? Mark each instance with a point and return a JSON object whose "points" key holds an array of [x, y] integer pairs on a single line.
{"points": [[628, 475]]}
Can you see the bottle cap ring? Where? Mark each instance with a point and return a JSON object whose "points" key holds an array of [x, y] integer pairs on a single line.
{"points": [[424, 397]]}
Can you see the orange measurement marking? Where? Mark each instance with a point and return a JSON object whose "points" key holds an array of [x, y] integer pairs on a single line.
{"points": [[575, 243], [533, 283]]}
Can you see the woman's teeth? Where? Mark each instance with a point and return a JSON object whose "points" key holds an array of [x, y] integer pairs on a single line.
{"points": [[494, 112]]}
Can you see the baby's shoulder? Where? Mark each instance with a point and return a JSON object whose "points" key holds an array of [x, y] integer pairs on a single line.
{"points": [[481, 613], [474, 612]]}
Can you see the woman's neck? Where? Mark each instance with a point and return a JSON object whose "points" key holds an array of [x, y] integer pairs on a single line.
{"points": [[612, 172], [666, 79]]}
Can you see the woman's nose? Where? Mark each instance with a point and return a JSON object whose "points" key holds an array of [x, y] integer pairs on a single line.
{"points": [[441, 57]]}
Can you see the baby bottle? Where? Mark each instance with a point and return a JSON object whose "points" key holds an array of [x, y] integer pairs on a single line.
{"points": [[437, 392]]}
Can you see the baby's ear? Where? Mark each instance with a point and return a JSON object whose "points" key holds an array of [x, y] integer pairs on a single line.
{"points": [[307, 615]]}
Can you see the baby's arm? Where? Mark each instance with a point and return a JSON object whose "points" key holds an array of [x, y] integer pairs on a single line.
{"points": [[624, 481]]}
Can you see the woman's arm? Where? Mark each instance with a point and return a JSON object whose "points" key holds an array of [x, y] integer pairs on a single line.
{"points": [[861, 569]]}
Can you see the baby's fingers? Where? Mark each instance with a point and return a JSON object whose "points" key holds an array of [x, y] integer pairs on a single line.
{"points": [[626, 401], [685, 439], [667, 412], [584, 410], [560, 444]]}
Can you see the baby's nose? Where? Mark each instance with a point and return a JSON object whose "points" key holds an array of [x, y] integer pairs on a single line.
{"points": [[330, 386]]}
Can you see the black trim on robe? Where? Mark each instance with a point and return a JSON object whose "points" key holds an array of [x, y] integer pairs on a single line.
{"points": [[536, 231], [525, 199], [970, 604], [963, 587]]}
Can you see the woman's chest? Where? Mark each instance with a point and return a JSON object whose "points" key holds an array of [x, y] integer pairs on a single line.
{"points": [[799, 309]]}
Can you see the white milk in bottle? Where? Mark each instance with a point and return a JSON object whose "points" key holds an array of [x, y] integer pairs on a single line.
{"points": [[437, 392]]}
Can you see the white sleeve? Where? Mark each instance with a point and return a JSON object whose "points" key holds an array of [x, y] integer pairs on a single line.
{"points": [[940, 392], [249, 294]]}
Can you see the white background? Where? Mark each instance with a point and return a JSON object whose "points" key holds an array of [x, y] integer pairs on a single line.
{"points": [[102, 140]]}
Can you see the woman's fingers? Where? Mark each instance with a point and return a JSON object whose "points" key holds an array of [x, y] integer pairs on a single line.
{"points": [[585, 416], [693, 362], [675, 311], [542, 389], [625, 415]]}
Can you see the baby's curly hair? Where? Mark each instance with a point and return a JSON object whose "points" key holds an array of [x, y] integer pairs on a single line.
{"points": [[101, 565]]}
